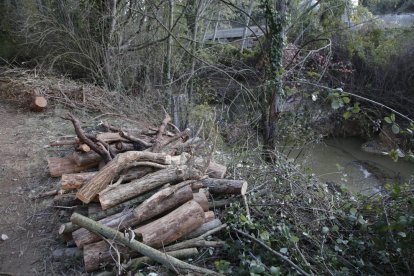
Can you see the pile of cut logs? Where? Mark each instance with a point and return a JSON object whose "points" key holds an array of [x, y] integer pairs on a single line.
{"points": [[149, 201]]}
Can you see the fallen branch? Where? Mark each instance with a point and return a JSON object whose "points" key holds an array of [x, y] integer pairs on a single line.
{"points": [[157, 143], [136, 263], [196, 241], [140, 142], [84, 139], [284, 258]]}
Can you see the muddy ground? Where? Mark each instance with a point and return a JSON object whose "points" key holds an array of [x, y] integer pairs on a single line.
{"points": [[31, 225]]}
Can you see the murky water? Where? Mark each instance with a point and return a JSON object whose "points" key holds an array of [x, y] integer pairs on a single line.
{"points": [[360, 171]]}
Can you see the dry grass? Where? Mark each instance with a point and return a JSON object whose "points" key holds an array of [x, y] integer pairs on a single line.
{"points": [[19, 85]]}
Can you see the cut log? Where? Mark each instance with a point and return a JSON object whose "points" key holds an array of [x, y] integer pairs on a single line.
{"points": [[157, 204], [60, 143], [69, 227], [84, 148], [121, 193], [111, 170], [63, 254], [157, 144], [85, 139], [101, 253], [110, 137], [209, 216], [93, 208], [225, 186], [137, 172], [86, 158], [162, 201], [140, 142], [198, 241], [187, 146], [67, 200], [73, 181], [203, 229], [219, 203], [38, 103], [123, 146], [61, 165], [172, 226], [201, 199], [215, 170], [137, 263], [111, 234]]}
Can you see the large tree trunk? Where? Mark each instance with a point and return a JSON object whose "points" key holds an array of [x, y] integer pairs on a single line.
{"points": [[274, 93], [173, 226], [160, 202], [62, 165], [111, 170], [121, 193], [225, 186]]}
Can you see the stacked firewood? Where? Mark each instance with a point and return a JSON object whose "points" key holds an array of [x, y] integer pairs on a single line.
{"points": [[143, 189]]}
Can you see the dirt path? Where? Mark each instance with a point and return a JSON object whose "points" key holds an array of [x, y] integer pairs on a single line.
{"points": [[29, 224]]}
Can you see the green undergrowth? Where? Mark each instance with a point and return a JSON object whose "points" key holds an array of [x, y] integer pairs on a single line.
{"points": [[321, 228]]}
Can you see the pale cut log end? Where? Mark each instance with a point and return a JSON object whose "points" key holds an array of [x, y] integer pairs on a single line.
{"points": [[209, 216], [84, 148], [82, 198], [244, 188], [62, 229], [38, 104]]}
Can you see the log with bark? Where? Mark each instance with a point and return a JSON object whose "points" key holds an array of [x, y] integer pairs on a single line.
{"points": [[84, 148], [201, 199], [121, 193], [214, 170], [67, 200], [168, 261], [69, 227], [225, 186], [72, 181], [38, 103], [172, 226], [197, 241], [86, 158], [111, 170], [157, 143], [86, 139], [137, 263], [95, 255], [162, 201], [110, 137], [61, 165], [203, 229], [209, 216]]}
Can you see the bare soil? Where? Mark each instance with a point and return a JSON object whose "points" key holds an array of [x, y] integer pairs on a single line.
{"points": [[31, 225]]}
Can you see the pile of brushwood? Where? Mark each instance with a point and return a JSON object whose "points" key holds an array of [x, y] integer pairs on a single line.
{"points": [[148, 195]]}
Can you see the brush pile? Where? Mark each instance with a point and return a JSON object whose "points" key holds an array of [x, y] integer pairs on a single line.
{"points": [[147, 193]]}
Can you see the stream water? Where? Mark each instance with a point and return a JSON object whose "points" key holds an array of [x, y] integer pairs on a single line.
{"points": [[360, 171]]}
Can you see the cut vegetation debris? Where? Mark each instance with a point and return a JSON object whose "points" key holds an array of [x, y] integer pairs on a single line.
{"points": [[148, 195]]}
